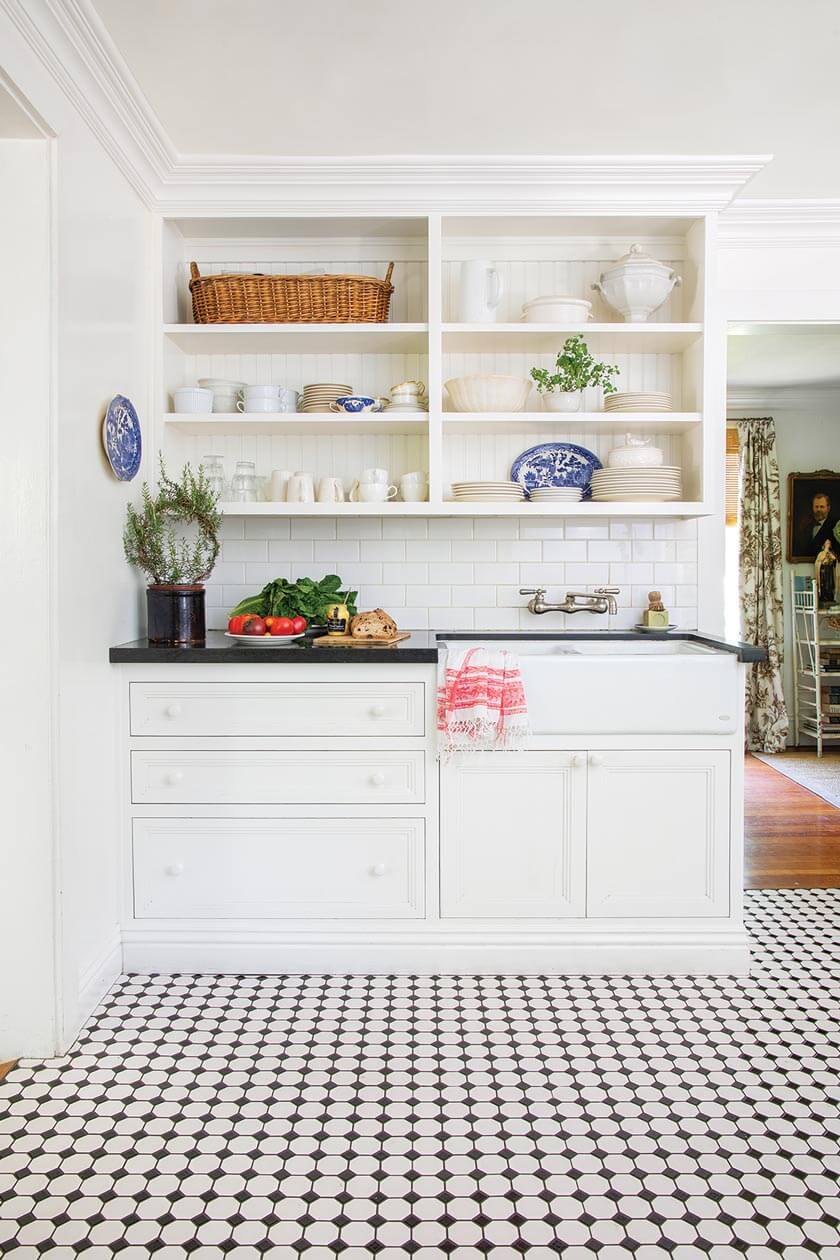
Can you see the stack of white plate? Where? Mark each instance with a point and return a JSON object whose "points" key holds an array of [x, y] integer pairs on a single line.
{"points": [[556, 494], [653, 401], [414, 407], [487, 491], [641, 485], [319, 396]]}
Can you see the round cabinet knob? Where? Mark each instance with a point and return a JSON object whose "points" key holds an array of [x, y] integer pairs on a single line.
{"points": [[596, 759], [173, 710], [175, 868], [377, 778], [378, 870], [377, 710], [173, 777], [578, 759]]}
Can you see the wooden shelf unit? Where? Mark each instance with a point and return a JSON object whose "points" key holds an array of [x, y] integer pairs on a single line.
{"points": [[537, 254]]}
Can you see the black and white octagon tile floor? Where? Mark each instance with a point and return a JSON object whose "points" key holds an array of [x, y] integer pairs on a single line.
{"points": [[434, 1117]]}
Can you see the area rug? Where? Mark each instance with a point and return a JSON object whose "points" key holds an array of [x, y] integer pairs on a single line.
{"points": [[820, 775]]}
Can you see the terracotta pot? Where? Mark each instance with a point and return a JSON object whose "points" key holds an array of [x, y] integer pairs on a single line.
{"points": [[175, 616]]}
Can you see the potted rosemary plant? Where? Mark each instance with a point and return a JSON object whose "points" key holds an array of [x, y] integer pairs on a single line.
{"points": [[575, 370], [174, 538]]}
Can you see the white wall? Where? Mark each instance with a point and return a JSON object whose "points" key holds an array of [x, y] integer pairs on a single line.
{"points": [[101, 330], [445, 574], [807, 438], [27, 886]]}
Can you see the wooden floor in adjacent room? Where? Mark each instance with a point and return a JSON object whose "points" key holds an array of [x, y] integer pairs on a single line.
{"points": [[792, 836]]}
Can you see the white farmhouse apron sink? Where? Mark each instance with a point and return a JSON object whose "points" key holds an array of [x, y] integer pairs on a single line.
{"points": [[602, 687]]}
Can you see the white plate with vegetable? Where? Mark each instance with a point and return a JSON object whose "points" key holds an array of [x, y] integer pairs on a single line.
{"points": [[265, 640]]}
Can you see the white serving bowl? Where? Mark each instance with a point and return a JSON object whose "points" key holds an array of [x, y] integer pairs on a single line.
{"points": [[191, 400], [556, 310], [488, 393]]}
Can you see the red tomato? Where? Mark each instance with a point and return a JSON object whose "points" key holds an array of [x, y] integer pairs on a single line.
{"points": [[299, 624], [281, 625], [236, 623], [253, 625], [269, 621]]}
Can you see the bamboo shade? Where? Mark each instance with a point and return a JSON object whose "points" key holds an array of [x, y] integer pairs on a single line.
{"points": [[733, 475]]}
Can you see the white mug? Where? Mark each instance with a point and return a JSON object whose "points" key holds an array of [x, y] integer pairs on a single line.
{"points": [[261, 405], [371, 475], [330, 490], [288, 400], [371, 492], [413, 488], [278, 485], [225, 403], [192, 400], [301, 488]]}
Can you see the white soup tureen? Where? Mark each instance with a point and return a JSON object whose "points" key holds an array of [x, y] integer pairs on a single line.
{"points": [[636, 285]]}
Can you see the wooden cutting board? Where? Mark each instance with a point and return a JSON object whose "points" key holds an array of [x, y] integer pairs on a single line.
{"points": [[346, 641]]}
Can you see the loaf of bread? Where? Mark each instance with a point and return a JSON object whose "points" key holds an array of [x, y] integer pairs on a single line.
{"points": [[373, 625]]}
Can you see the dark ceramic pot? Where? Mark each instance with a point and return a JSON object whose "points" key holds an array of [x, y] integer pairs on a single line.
{"points": [[176, 616]]}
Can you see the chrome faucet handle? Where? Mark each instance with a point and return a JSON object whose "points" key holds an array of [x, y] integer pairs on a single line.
{"points": [[532, 590], [606, 590]]}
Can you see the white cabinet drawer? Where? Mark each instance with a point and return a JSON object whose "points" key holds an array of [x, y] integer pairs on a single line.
{"points": [[303, 777], [277, 709], [260, 868]]}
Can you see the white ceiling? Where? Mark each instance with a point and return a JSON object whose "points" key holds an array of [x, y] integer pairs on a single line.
{"points": [[793, 356], [352, 77]]}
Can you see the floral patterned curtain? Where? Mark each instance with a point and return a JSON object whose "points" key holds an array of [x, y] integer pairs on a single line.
{"points": [[761, 586]]}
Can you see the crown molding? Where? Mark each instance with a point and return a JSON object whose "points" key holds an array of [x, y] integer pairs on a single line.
{"points": [[812, 223], [72, 42], [782, 397]]}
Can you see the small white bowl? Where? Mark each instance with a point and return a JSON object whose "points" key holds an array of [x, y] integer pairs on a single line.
{"points": [[557, 310], [191, 400]]}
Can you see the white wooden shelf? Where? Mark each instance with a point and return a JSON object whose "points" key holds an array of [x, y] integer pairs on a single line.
{"points": [[449, 508], [235, 424], [549, 338], [299, 338], [574, 421]]}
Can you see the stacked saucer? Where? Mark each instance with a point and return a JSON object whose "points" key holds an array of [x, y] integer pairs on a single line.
{"points": [[653, 401], [556, 494], [487, 491], [641, 485], [405, 408], [318, 397]]}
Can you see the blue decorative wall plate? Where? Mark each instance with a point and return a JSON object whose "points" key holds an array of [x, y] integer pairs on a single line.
{"points": [[555, 464], [121, 438]]}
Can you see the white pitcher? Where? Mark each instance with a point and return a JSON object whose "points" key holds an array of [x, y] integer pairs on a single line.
{"points": [[480, 292]]}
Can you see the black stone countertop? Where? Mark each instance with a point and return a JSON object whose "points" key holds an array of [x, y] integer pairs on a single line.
{"points": [[421, 648]]}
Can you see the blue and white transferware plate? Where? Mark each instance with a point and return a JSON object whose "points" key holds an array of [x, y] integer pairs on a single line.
{"points": [[555, 464], [121, 438]]}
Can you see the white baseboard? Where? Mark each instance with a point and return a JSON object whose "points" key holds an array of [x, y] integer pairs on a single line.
{"points": [[596, 952], [98, 977]]}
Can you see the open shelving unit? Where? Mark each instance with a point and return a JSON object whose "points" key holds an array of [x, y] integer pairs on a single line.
{"points": [[535, 254], [816, 666]]}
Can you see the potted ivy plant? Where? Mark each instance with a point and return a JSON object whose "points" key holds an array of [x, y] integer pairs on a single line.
{"points": [[174, 538], [574, 371]]}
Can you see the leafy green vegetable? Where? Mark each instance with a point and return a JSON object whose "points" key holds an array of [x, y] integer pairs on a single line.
{"points": [[304, 598]]}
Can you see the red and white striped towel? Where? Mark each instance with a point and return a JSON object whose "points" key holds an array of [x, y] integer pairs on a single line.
{"points": [[481, 702]]}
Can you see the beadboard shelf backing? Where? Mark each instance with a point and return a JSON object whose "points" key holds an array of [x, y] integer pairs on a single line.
{"points": [[536, 255]]}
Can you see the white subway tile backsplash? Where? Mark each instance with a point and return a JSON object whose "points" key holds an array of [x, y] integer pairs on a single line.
{"points": [[458, 573]]}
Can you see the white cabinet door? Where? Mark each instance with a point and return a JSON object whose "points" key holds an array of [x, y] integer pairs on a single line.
{"points": [[658, 843], [513, 835]]}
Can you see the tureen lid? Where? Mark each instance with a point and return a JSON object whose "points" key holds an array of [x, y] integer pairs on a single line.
{"points": [[636, 256]]}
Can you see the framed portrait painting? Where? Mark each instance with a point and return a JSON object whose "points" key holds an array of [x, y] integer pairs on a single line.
{"points": [[813, 514]]}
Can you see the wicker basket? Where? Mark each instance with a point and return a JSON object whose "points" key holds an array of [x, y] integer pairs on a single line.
{"points": [[258, 299]]}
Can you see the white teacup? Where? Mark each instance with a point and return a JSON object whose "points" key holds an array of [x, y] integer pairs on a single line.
{"points": [[301, 488], [413, 488], [258, 405], [371, 492], [191, 400], [371, 475], [225, 403], [278, 484], [262, 391], [408, 390], [330, 490]]}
